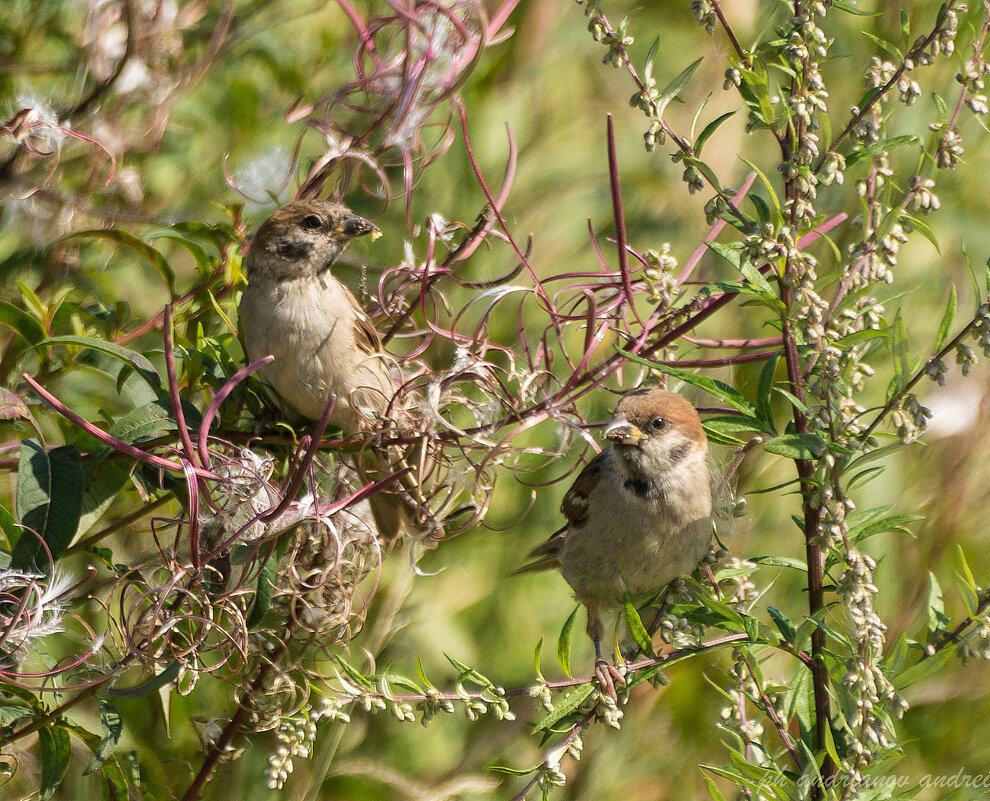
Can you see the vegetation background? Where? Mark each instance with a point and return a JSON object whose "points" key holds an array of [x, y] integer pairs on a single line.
{"points": [[195, 108]]}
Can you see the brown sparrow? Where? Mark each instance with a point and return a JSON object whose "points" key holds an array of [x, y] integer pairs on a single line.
{"points": [[323, 342], [638, 515]]}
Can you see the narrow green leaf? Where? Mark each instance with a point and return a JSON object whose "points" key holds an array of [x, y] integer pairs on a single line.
{"points": [[675, 86], [112, 726], [142, 248], [566, 705], [511, 771], [705, 135], [766, 184], [21, 322], [53, 747], [131, 358], [883, 525], [922, 228], [796, 446], [924, 668], [50, 487], [764, 392], [859, 337], [793, 400], [854, 10], [536, 659], [651, 58], [564, 643], [783, 623], [637, 629], [719, 389], [712, 788], [780, 561], [264, 591], [901, 354], [886, 46], [152, 685], [936, 605], [948, 319], [734, 256]]}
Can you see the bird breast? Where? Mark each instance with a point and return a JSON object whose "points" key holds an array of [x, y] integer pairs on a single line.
{"points": [[309, 326], [633, 541]]}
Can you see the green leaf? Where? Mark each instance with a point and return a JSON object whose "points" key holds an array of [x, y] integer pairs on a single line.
{"points": [[766, 184], [899, 349], [53, 747], [564, 643], [264, 591], [105, 480], [882, 525], [152, 685], [719, 389], [50, 486], [566, 705], [11, 533], [764, 392], [637, 629], [783, 623], [143, 249], [734, 256], [780, 561], [536, 659], [712, 788], [882, 147], [511, 771], [854, 10], [948, 319], [966, 582], [886, 47], [922, 669], [651, 58], [705, 135], [113, 726], [935, 605], [675, 86], [796, 446], [21, 323], [131, 358], [922, 228]]}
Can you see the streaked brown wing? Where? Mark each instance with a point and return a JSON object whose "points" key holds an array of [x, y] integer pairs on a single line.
{"points": [[365, 334], [575, 504], [574, 507]]}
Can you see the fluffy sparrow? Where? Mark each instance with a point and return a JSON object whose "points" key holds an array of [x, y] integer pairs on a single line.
{"points": [[638, 515], [323, 343]]}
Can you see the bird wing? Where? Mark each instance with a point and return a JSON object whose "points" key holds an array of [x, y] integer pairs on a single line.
{"points": [[574, 507], [365, 334]]}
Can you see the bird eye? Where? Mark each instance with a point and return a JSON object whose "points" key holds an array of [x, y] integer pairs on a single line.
{"points": [[658, 423], [311, 221]]}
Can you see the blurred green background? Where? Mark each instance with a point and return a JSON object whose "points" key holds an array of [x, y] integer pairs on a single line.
{"points": [[547, 83]]}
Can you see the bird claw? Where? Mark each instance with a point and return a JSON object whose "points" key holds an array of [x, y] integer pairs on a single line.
{"points": [[609, 676]]}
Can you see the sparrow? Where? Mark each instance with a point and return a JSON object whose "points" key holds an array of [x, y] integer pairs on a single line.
{"points": [[639, 513], [324, 344]]}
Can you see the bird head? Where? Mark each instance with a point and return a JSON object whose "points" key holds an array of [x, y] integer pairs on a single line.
{"points": [[304, 238], [654, 431]]}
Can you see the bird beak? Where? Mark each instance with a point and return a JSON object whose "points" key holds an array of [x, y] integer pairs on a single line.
{"points": [[354, 226], [623, 432]]}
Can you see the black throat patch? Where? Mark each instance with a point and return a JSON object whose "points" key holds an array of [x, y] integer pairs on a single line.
{"points": [[643, 488]]}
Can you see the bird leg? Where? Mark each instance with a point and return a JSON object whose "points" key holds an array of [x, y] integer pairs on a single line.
{"points": [[607, 674]]}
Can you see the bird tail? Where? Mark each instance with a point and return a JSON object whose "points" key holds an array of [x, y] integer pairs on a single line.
{"points": [[545, 556]]}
